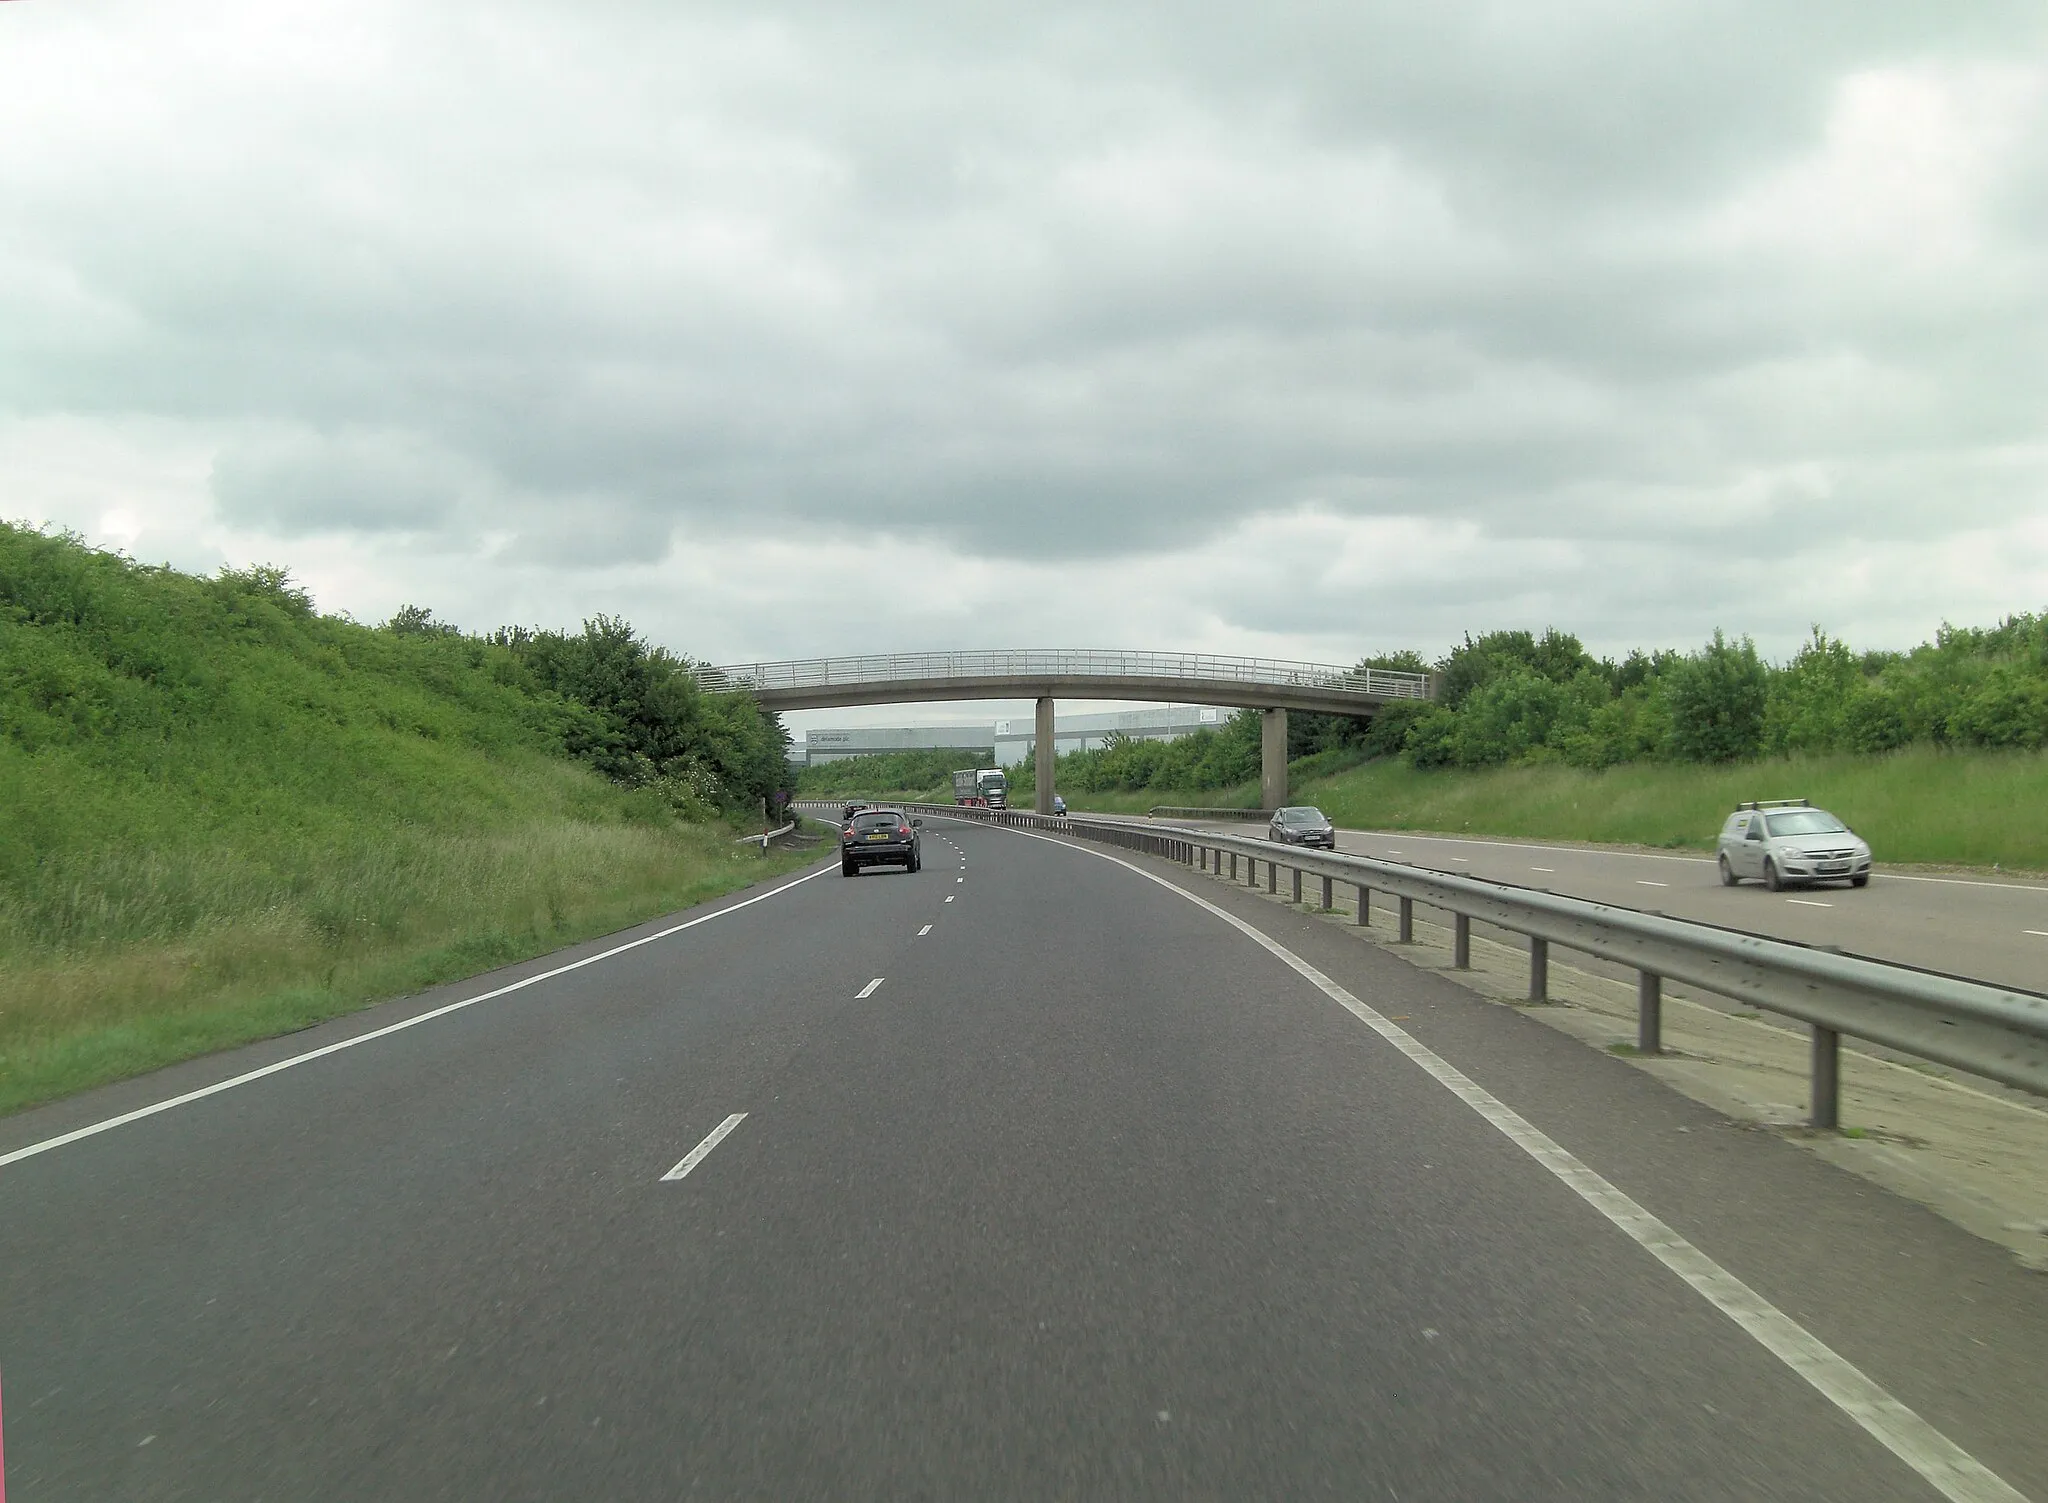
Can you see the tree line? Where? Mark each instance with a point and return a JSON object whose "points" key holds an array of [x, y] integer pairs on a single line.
{"points": [[1514, 697], [632, 710]]}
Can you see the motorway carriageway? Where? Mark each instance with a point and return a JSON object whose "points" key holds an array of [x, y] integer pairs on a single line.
{"points": [[1986, 928], [1044, 1172]]}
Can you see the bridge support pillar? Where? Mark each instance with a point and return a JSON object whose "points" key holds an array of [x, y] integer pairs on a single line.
{"points": [[1045, 752], [1272, 758]]}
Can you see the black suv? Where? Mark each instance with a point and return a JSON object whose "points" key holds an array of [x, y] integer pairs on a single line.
{"points": [[880, 837]]}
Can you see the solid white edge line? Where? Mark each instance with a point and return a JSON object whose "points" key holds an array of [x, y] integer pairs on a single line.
{"points": [[1947, 1467], [697, 1155], [388, 1029], [868, 990]]}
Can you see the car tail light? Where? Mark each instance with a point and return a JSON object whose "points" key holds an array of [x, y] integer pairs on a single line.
{"points": [[903, 830]]}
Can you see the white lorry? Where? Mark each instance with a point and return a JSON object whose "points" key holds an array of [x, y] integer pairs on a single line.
{"points": [[981, 788]]}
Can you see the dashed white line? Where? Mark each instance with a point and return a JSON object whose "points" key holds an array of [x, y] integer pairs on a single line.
{"points": [[390, 1028], [868, 990], [1646, 882], [924, 931], [712, 1139], [1809, 903], [1542, 868], [959, 879], [949, 897]]}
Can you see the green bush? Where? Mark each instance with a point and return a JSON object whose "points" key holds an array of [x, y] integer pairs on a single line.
{"points": [[2009, 708], [1717, 698]]}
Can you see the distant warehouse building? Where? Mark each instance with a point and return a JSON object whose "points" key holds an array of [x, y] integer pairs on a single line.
{"points": [[1072, 733], [1005, 743], [973, 742]]}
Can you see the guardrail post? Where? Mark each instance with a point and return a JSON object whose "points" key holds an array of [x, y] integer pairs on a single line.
{"points": [[1364, 915], [1649, 1013], [1539, 969], [1272, 878], [1329, 896], [1407, 928], [1461, 942], [1827, 1077], [1297, 885], [1233, 866]]}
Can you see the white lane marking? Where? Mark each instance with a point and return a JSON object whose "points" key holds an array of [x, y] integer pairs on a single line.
{"points": [[712, 1139], [1946, 1466], [959, 879], [1542, 868], [1809, 903], [390, 1028], [868, 990], [1646, 882], [924, 931], [2042, 932], [949, 897]]}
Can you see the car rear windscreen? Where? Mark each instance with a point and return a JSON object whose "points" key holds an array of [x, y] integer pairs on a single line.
{"points": [[876, 821]]}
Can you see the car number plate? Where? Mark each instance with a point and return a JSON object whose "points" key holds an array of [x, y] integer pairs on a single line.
{"points": [[879, 835], [1834, 866]]}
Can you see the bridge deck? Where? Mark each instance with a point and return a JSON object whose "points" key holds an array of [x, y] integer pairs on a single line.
{"points": [[1193, 678]]}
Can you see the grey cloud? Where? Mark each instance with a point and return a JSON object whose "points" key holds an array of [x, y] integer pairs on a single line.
{"points": [[1060, 284], [302, 483]]}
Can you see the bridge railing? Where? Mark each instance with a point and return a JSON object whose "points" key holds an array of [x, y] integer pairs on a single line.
{"points": [[1054, 663]]}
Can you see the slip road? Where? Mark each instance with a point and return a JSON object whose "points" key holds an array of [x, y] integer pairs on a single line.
{"points": [[1073, 1189]]}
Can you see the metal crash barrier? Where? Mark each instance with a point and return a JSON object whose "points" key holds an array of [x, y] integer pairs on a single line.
{"points": [[1996, 1032]]}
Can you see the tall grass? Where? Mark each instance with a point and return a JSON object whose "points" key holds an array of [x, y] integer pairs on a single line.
{"points": [[122, 960], [1966, 808], [223, 815]]}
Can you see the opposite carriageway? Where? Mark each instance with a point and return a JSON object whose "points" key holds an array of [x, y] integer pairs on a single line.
{"points": [[1270, 685]]}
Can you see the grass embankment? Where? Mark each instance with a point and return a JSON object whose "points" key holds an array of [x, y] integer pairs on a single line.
{"points": [[224, 817], [1965, 808]]}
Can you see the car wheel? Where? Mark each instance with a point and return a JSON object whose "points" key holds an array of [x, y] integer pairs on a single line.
{"points": [[1728, 877], [848, 869], [916, 863], [1772, 880], [1862, 881]]}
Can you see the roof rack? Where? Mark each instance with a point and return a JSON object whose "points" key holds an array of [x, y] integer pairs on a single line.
{"points": [[1777, 803]]}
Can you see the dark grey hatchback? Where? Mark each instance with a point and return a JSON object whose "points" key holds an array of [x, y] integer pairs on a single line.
{"points": [[880, 837], [1304, 824]]}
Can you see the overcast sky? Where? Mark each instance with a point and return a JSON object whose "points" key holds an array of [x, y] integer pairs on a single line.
{"points": [[1288, 329]]}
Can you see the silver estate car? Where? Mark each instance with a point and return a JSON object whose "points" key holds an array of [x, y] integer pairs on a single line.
{"points": [[1784, 840]]}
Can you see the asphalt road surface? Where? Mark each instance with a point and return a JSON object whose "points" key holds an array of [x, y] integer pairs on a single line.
{"points": [[1988, 929], [1036, 1180]]}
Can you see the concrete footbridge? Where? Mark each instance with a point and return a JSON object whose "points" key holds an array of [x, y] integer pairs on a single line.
{"points": [[1271, 686]]}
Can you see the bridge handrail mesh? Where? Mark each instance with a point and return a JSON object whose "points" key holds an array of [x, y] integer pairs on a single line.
{"points": [[829, 673]]}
